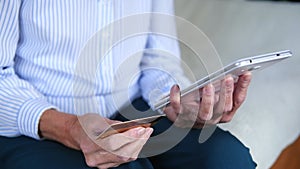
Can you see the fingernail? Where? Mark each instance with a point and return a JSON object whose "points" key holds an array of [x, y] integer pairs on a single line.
{"points": [[141, 131], [208, 90], [177, 89], [149, 130], [229, 82], [247, 78], [206, 116]]}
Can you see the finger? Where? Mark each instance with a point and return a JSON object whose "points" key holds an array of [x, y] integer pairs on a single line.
{"points": [[139, 132], [118, 140], [102, 157], [169, 111], [217, 97], [175, 98], [207, 103], [226, 96], [241, 89], [133, 149], [239, 95], [173, 109], [125, 153], [189, 111], [93, 124]]}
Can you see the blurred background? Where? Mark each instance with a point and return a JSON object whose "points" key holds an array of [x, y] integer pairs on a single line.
{"points": [[269, 120]]}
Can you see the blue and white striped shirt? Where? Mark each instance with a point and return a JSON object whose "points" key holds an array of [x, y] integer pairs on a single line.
{"points": [[41, 44]]}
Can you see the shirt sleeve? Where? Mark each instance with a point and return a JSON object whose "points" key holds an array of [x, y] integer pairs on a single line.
{"points": [[161, 63], [20, 104]]}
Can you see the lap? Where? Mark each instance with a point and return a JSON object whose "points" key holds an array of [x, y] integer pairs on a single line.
{"points": [[173, 147], [23, 153], [221, 150], [166, 149]]}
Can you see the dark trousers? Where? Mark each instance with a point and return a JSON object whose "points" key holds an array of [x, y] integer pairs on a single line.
{"points": [[221, 151]]}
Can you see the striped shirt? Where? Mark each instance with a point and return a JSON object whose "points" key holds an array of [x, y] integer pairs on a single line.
{"points": [[46, 59]]}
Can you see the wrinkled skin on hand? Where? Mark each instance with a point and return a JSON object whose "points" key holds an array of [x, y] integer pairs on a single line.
{"points": [[110, 151], [212, 108]]}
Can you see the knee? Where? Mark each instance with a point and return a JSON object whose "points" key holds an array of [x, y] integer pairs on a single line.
{"points": [[226, 151]]}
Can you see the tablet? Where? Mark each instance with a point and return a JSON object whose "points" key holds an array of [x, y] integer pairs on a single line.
{"points": [[235, 69]]}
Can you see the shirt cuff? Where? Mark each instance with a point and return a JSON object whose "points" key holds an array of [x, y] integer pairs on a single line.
{"points": [[29, 116]]}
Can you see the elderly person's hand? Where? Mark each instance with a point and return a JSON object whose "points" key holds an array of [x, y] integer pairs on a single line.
{"points": [[82, 133], [212, 108]]}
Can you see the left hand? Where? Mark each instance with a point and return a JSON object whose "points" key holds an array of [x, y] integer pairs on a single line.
{"points": [[213, 107]]}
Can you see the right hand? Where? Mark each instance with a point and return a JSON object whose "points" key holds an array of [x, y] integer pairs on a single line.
{"points": [[110, 151], [81, 133]]}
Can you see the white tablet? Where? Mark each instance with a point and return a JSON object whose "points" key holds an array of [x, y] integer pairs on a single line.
{"points": [[235, 69]]}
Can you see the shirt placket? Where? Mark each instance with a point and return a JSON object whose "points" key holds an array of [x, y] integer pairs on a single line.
{"points": [[106, 17]]}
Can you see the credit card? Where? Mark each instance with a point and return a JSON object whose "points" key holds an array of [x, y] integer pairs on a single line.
{"points": [[127, 125]]}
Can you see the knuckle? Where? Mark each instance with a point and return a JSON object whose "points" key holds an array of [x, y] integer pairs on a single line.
{"points": [[229, 88], [229, 91], [133, 159], [205, 114], [208, 101], [205, 111], [175, 101], [124, 159], [116, 165], [228, 109], [175, 107], [228, 106], [90, 162], [226, 120], [175, 104], [241, 98], [244, 85]]}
